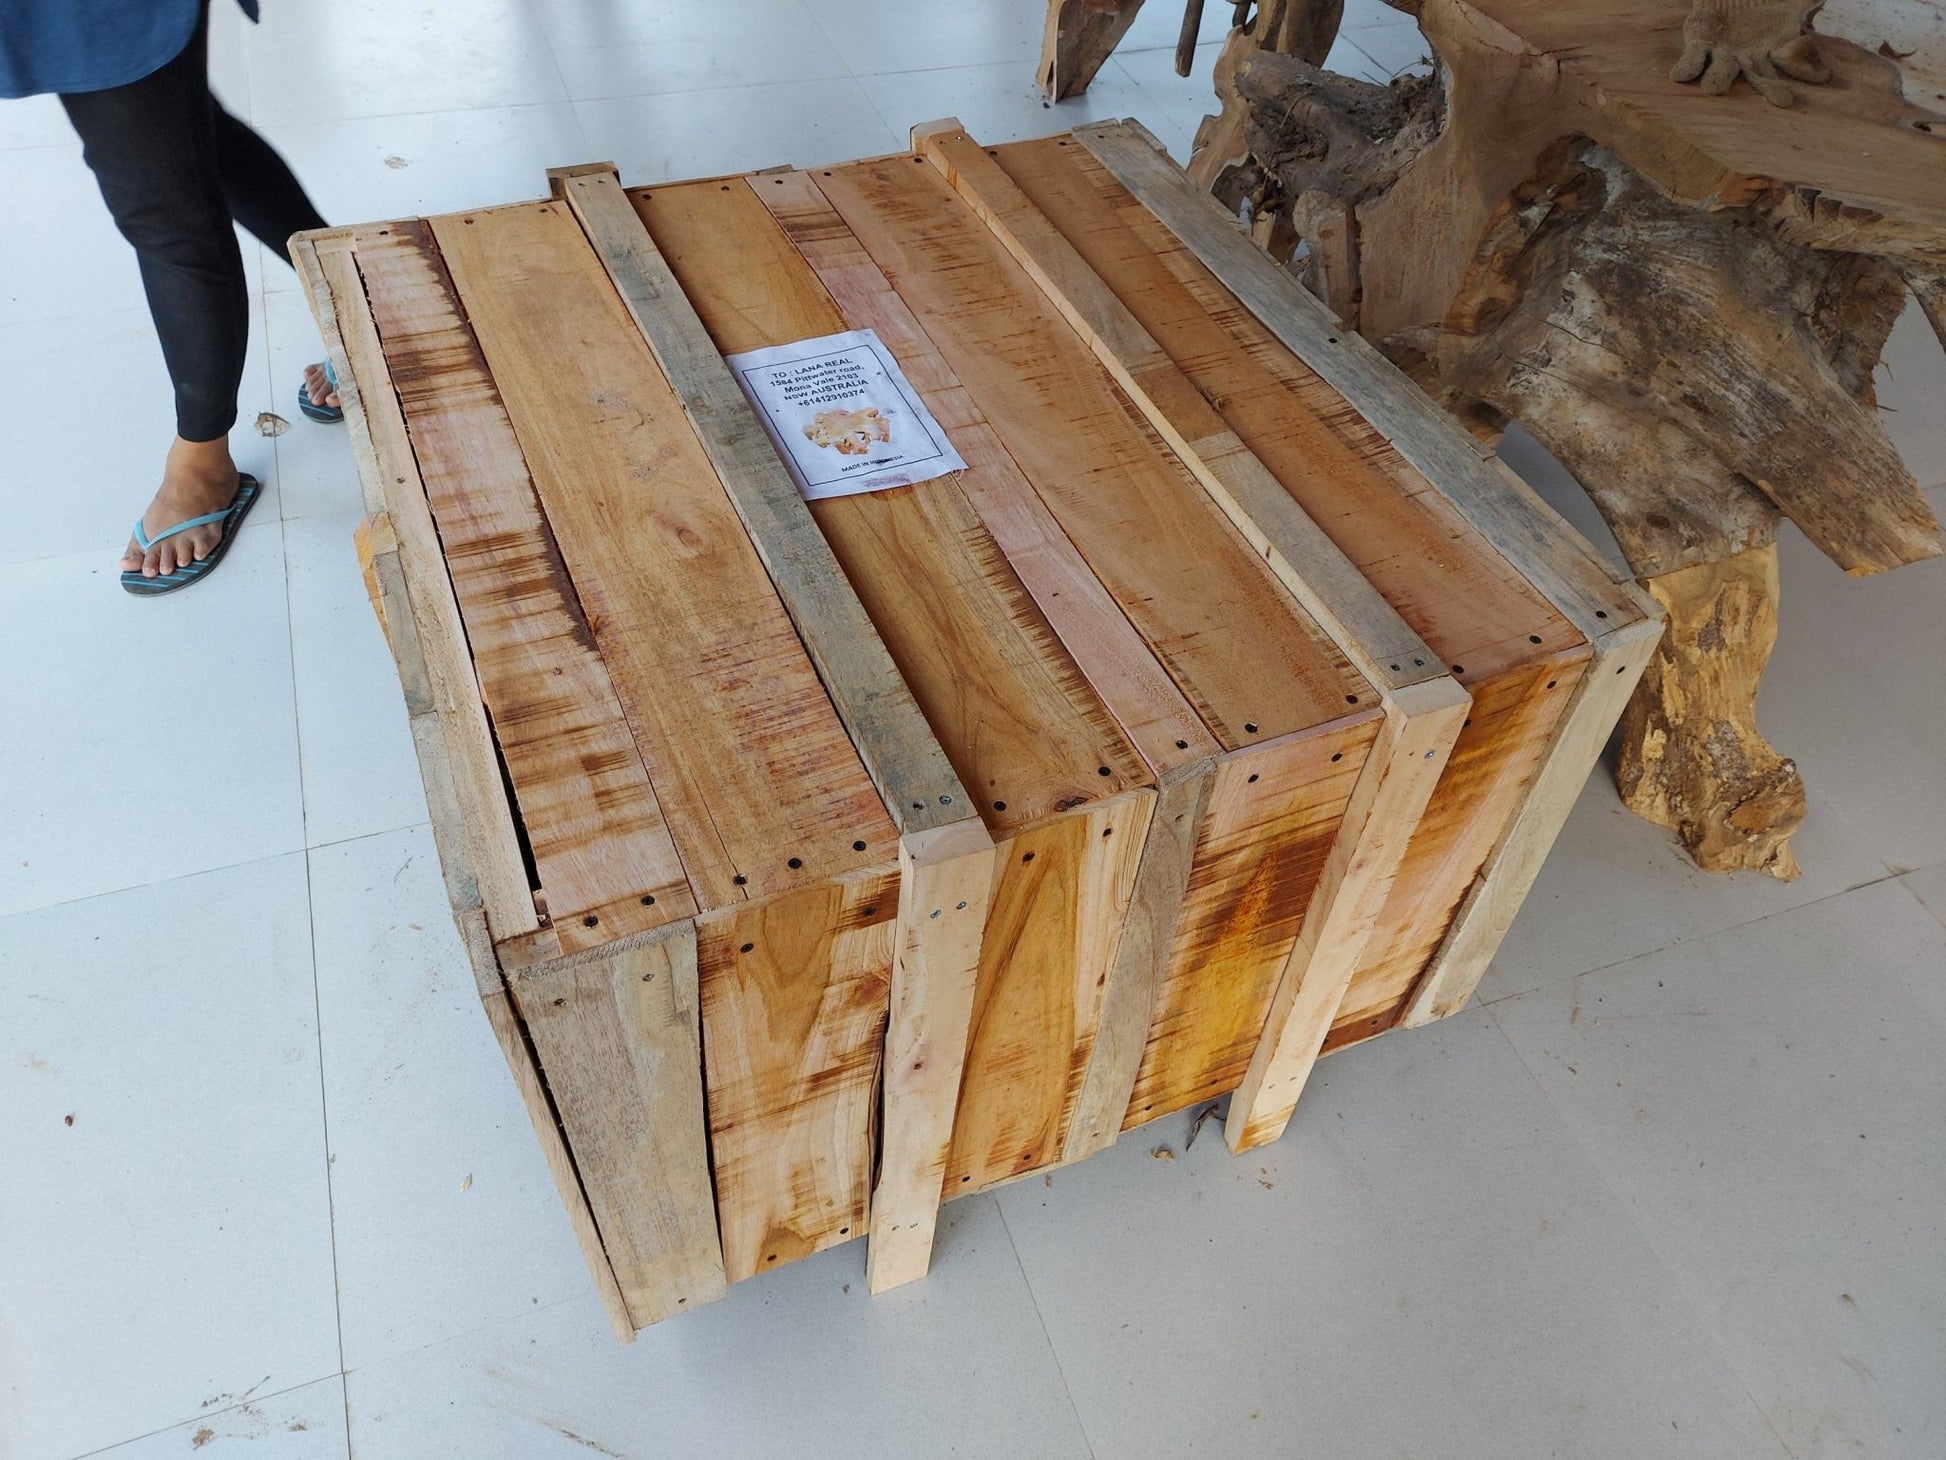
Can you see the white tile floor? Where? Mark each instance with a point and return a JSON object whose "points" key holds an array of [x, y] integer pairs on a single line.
{"points": [[1673, 1188]]}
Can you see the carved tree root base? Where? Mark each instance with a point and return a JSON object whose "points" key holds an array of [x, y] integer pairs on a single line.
{"points": [[1699, 356], [1692, 758]]}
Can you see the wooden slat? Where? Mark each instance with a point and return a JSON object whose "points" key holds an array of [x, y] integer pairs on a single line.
{"points": [[1309, 564], [617, 1034], [1060, 891], [479, 850], [907, 764], [1489, 909], [1263, 846], [1254, 666], [1392, 792], [760, 786], [1017, 719], [1530, 534], [795, 991], [600, 846], [1141, 967], [945, 876], [1153, 713]]}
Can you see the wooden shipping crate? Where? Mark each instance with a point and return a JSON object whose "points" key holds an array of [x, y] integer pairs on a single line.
{"points": [[1168, 799]]}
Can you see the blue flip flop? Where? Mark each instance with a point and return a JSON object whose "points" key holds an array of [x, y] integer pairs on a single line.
{"points": [[248, 489], [330, 415]]}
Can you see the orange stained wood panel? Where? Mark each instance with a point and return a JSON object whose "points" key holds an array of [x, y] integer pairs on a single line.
{"points": [[1023, 729], [600, 845], [1461, 596], [1273, 815], [1498, 754], [760, 786], [795, 993], [1238, 647], [1061, 890]]}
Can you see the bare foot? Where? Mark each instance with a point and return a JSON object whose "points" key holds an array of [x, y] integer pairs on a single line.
{"points": [[199, 478], [323, 392]]}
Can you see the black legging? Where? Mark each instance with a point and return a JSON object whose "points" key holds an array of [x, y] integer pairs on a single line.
{"points": [[175, 169]]}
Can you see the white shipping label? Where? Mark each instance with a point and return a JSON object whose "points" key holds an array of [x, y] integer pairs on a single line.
{"points": [[843, 416]]}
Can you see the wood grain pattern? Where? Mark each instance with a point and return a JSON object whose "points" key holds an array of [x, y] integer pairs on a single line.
{"points": [[1488, 911], [1152, 712], [906, 763], [795, 991], [945, 878], [479, 851], [1208, 608], [1142, 960], [1518, 657], [1528, 533], [1021, 726], [1467, 601], [600, 846], [618, 1039], [1393, 788], [1271, 823], [761, 788], [1311, 567], [1060, 892], [1501, 747]]}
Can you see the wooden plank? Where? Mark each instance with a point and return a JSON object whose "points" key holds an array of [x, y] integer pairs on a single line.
{"points": [[1310, 565], [479, 849], [1141, 967], [1385, 807], [945, 875], [1018, 721], [1489, 909], [727, 711], [617, 1034], [511, 1036], [906, 763], [795, 991], [1263, 846], [1522, 527], [1153, 713], [1241, 651], [600, 846], [1060, 892], [1501, 747]]}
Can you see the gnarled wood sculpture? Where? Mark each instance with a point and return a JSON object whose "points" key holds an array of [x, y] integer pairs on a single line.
{"points": [[1682, 295]]}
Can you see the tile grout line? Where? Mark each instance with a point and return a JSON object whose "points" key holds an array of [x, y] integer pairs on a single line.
{"points": [[1938, 916], [1698, 937], [1060, 1368], [317, 996], [1677, 1278], [246, 1401]]}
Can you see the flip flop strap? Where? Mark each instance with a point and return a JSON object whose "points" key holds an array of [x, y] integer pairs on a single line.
{"points": [[145, 543]]}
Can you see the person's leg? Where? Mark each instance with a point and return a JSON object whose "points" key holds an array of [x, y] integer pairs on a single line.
{"points": [[152, 147], [266, 198]]}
